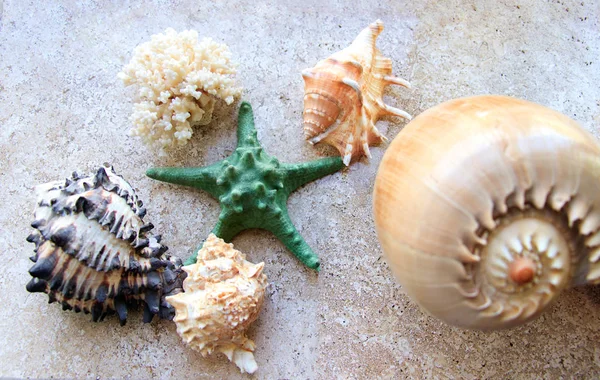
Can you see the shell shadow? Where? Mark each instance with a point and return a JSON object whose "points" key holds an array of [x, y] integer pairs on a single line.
{"points": [[592, 292]]}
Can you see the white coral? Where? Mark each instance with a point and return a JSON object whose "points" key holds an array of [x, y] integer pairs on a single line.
{"points": [[178, 80], [223, 296]]}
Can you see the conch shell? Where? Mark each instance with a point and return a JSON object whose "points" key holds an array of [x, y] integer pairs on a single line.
{"points": [[487, 208], [94, 253], [223, 296], [344, 96]]}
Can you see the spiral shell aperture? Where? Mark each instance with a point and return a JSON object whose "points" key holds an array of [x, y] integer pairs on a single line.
{"points": [[487, 207]]}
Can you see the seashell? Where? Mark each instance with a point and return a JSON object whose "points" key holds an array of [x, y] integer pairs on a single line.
{"points": [[94, 253], [344, 96], [223, 296], [487, 208]]}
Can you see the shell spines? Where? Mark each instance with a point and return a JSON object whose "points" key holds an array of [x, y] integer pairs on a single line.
{"points": [[94, 253]]}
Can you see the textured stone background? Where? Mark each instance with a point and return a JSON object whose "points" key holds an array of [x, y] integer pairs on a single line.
{"points": [[62, 108]]}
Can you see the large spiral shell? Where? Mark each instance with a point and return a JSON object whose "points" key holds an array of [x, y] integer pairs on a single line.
{"points": [[487, 207], [344, 96], [95, 254]]}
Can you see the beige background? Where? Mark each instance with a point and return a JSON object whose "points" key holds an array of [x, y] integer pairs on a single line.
{"points": [[63, 108]]}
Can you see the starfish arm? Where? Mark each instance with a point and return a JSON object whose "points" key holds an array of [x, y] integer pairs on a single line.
{"points": [[204, 178], [246, 132], [285, 231], [226, 229], [305, 172], [223, 229]]}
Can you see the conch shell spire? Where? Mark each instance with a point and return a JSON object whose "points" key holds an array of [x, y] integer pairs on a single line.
{"points": [[344, 96]]}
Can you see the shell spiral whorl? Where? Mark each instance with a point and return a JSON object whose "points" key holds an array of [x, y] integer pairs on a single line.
{"points": [[488, 207], [525, 261]]}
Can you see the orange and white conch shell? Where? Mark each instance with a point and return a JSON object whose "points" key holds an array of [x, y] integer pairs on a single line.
{"points": [[223, 296], [344, 96]]}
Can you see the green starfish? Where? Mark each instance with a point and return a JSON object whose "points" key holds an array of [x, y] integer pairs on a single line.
{"points": [[253, 188]]}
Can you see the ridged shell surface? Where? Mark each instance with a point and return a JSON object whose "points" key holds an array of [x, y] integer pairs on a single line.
{"points": [[344, 96], [94, 253], [487, 207], [223, 296]]}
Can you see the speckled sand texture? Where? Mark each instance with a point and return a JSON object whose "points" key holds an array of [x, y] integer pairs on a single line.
{"points": [[63, 108]]}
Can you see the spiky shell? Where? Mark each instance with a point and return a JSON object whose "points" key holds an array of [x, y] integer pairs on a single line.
{"points": [[95, 254], [223, 296], [343, 96], [488, 207]]}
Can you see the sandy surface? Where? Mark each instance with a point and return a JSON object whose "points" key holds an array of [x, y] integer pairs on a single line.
{"points": [[63, 108]]}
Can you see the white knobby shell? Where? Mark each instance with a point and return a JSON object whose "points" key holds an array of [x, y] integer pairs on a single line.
{"points": [[487, 207], [223, 296]]}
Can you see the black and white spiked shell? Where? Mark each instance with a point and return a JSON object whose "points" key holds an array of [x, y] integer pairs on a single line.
{"points": [[95, 254]]}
